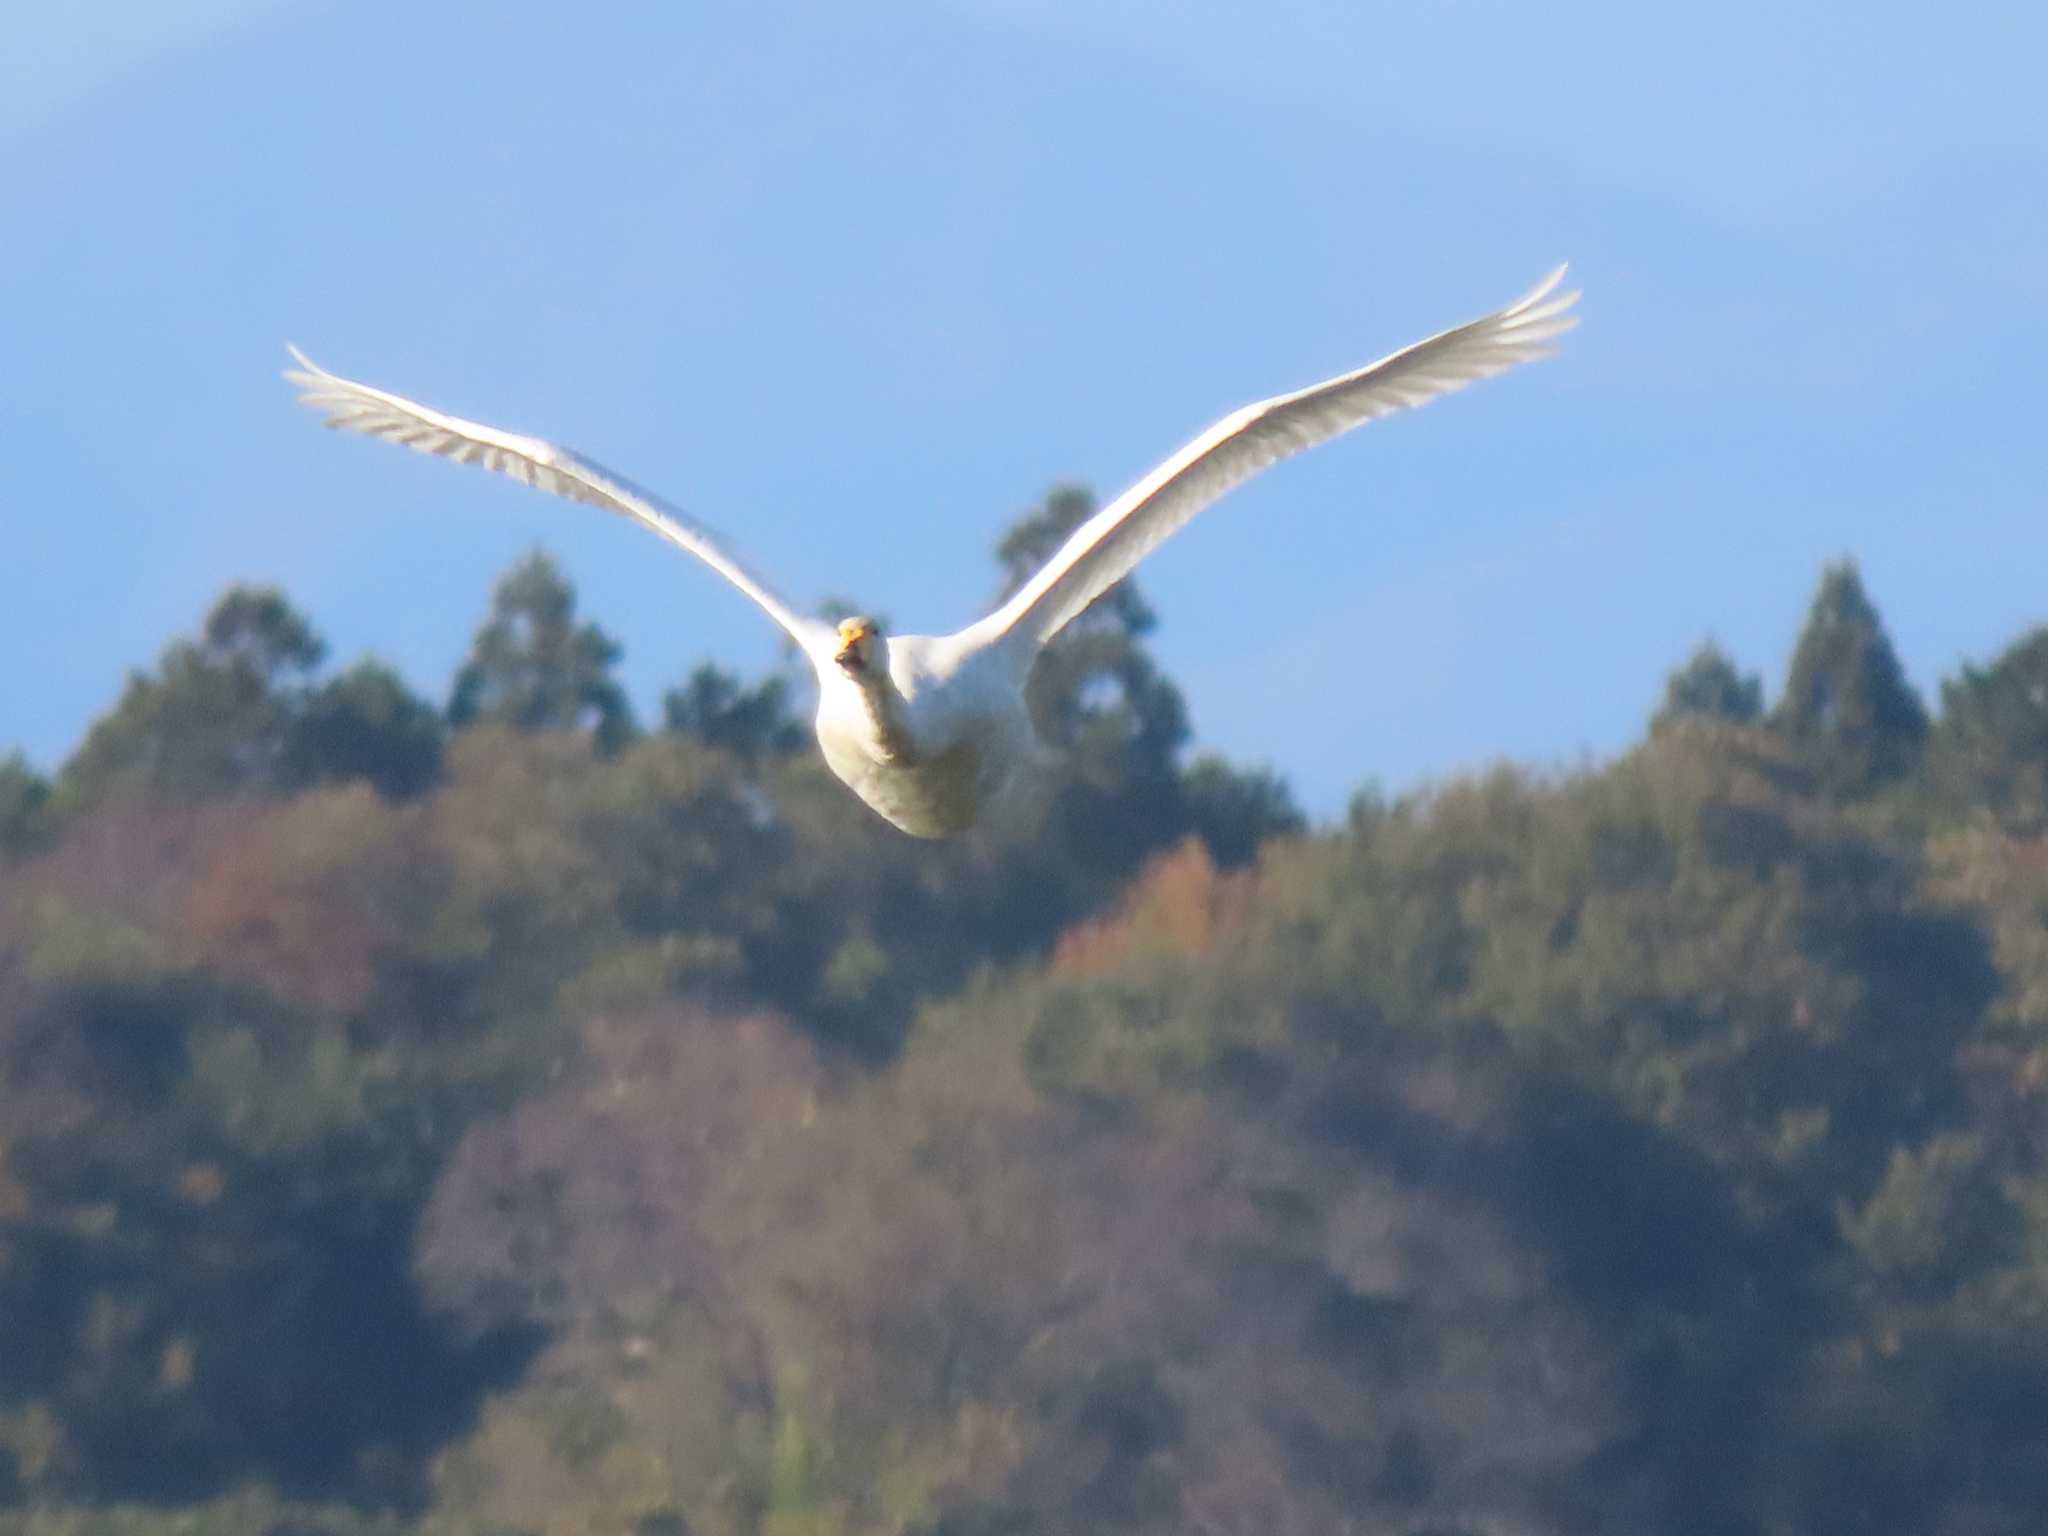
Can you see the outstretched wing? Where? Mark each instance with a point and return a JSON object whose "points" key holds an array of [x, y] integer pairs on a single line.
{"points": [[1103, 550], [360, 408]]}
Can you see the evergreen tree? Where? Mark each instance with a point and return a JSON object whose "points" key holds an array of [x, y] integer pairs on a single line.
{"points": [[1992, 742], [213, 718], [1709, 686], [23, 793], [1118, 726], [1098, 698], [1235, 811], [1654, 1139], [1846, 696], [257, 630], [365, 724], [751, 723], [1095, 673], [533, 667]]}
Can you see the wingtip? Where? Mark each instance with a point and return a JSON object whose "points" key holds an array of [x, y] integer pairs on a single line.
{"points": [[308, 373], [1542, 290]]}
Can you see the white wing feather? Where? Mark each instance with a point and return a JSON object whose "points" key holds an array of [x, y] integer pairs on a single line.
{"points": [[1103, 550], [359, 408]]}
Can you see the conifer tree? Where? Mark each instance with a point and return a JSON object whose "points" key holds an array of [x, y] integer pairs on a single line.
{"points": [[1846, 696], [213, 717], [1709, 686], [23, 793], [1119, 724], [1099, 700], [365, 724], [1992, 742], [533, 667], [711, 705]]}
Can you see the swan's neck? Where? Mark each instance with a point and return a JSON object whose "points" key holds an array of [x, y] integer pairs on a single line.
{"points": [[883, 707]]}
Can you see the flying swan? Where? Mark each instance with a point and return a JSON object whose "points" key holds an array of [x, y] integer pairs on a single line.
{"points": [[929, 729]]}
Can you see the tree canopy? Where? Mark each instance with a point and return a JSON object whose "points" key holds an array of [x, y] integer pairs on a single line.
{"points": [[237, 711], [213, 717], [1709, 687], [1991, 745], [712, 705], [515, 1124], [1846, 694], [533, 667]]}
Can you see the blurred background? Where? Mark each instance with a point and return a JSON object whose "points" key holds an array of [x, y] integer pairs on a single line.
{"points": [[1522, 1006], [859, 287]]}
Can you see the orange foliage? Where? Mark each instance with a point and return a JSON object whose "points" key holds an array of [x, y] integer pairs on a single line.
{"points": [[1180, 903], [304, 899], [201, 1183], [104, 902]]}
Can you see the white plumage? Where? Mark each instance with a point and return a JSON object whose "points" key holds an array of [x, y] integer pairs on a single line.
{"points": [[928, 730]]}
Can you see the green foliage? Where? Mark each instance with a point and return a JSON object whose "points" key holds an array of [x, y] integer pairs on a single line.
{"points": [[1991, 746], [365, 724], [1099, 701], [23, 795], [1933, 1220], [1236, 811], [713, 706], [237, 713], [256, 629], [1846, 696], [2004, 879], [1114, 792], [1709, 687], [204, 1287], [252, 1511], [214, 717], [533, 667], [558, 1131]]}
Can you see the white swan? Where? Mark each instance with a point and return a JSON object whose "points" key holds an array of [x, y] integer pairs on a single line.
{"points": [[929, 729]]}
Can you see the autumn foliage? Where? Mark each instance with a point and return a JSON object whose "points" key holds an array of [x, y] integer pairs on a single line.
{"points": [[520, 1122]]}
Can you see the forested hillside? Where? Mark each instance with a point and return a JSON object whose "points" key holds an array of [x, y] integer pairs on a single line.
{"points": [[510, 1117]]}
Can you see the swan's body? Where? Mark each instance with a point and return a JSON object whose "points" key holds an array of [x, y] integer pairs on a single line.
{"points": [[929, 730], [930, 733]]}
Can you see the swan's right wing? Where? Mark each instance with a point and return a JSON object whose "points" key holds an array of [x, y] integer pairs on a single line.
{"points": [[1103, 550], [544, 465]]}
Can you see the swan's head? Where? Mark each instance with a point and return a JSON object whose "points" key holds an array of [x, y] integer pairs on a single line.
{"points": [[860, 647]]}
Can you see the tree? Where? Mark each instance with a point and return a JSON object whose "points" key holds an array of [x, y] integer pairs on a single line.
{"points": [[1933, 1220], [257, 629], [1095, 689], [1097, 697], [1709, 686], [23, 793], [365, 724], [1119, 725], [750, 723], [1659, 1139], [1846, 696], [214, 717], [533, 667], [1992, 742], [1234, 811]]}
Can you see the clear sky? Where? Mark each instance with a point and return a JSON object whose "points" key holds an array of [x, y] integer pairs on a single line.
{"points": [[858, 284]]}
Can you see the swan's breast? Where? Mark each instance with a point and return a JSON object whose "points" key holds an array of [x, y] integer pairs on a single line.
{"points": [[927, 787]]}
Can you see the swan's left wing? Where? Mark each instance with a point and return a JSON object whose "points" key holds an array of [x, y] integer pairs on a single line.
{"points": [[1103, 550], [546, 466]]}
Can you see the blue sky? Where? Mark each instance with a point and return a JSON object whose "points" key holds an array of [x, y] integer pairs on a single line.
{"points": [[859, 285]]}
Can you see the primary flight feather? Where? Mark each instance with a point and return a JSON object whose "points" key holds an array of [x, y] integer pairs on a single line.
{"points": [[927, 729]]}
